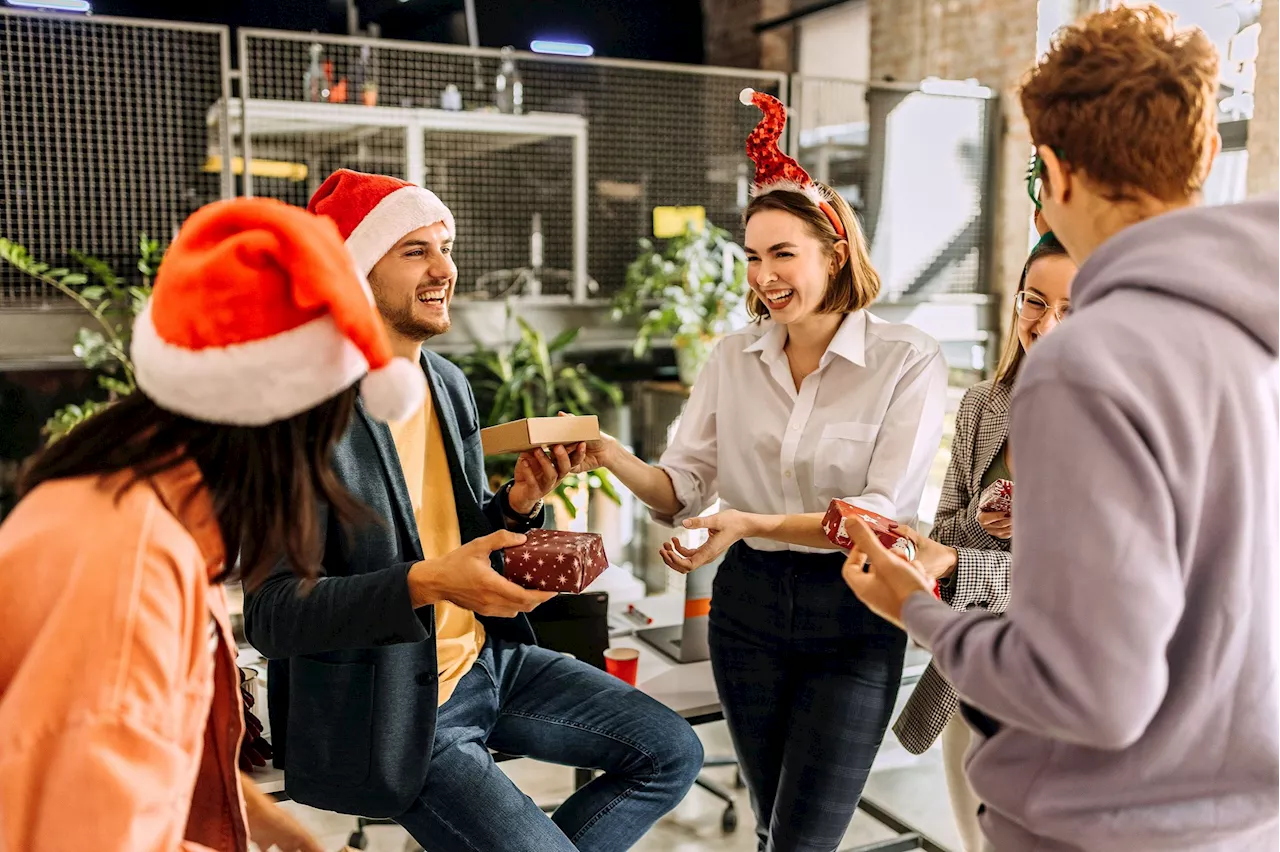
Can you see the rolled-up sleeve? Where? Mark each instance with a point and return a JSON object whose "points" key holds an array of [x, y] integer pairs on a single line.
{"points": [[691, 459]]}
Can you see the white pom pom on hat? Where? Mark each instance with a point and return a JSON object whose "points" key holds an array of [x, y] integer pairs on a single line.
{"points": [[746, 95]]}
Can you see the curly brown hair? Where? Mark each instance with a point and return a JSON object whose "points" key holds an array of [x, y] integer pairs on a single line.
{"points": [[1130, 100]]}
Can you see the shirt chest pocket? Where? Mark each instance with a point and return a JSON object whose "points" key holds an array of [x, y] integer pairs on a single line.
{"points": [[844, 453]]}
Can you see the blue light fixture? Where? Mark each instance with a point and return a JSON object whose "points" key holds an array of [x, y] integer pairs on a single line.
{"points": [[561, 48], [55, 5]]}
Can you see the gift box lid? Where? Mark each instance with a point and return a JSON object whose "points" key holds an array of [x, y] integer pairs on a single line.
{"points": [[519, 436]]}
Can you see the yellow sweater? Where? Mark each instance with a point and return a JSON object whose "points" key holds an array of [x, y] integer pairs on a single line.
{"points": [[420, 444]]}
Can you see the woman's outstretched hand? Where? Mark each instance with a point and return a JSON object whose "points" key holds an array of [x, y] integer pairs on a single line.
{"points": [[724, 528]]}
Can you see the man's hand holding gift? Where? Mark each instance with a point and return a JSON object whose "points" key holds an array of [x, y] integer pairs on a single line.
{"points": [[538, 473], [881, 578]]}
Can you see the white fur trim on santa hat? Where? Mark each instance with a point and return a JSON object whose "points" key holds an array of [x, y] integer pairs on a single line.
{"points": [[808, 189], [402, 212], [395, 391], [247, 384]]}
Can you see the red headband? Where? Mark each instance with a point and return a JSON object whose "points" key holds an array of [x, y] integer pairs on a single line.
{"points": [[774, 169]]}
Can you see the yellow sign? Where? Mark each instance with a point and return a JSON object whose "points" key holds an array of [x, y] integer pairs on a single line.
{"points": [[673, 221], [260, 168]]}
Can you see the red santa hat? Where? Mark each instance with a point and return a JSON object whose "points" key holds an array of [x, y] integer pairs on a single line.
{"points": [[774, 169], [257, 315], [374, 212]]}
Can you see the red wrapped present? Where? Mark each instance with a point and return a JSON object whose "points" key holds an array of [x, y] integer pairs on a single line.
{"points": [[835, 523], [556, 561], [997, 497]]}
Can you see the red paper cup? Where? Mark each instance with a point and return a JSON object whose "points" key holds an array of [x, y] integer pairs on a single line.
{"points": [[622, 663]]}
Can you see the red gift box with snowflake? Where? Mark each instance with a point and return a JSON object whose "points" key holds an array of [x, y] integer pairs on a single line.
{"points": [[556, 561], [997, 497], [835, 525]]}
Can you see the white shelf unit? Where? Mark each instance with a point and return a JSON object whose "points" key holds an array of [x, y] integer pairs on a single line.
{"points": [[276, 129]]}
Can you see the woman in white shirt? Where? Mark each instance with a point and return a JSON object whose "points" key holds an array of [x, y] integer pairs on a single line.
{"points": [[819, 400]]}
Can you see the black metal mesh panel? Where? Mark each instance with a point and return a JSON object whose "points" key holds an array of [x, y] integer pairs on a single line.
{"points": [[102, 136], [915, 166], [656, 135]]}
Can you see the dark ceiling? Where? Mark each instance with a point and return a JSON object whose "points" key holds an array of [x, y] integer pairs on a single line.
{"points": [[664, 30]]}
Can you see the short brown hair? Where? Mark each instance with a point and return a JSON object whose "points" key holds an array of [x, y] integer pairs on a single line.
{"points": [[856, 284], [1128, 99]]}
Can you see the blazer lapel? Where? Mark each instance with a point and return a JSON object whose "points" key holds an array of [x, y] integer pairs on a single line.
{"points": [[993, 431], [390, 459], [469, 515]]}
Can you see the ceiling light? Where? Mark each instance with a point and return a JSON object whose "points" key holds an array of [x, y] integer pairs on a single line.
{"points": [[57, 5], [561, 48]]}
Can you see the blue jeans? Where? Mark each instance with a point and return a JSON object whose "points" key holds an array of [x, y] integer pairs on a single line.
{"points": [[807, 676], [531, 702]]}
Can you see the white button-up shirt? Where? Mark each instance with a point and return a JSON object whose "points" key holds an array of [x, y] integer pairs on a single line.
{"points": [[863, 427]]}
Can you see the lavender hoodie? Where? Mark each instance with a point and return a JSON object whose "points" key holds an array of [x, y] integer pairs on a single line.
{"points": [[1128, 699]]}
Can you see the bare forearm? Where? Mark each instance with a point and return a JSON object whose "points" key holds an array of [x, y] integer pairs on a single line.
{"points": [[649, 484], [802, 530]]}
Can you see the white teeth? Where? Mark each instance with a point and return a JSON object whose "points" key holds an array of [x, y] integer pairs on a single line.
{"points": [[779, 295]]}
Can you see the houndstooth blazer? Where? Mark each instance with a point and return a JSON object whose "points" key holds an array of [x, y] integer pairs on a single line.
{"points": [[981, 578]]}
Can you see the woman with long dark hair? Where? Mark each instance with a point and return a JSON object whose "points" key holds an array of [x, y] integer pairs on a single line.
{"points": [[120, 714]]}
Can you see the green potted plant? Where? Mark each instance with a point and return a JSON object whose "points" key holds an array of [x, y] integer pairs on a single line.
{"points": [[534, 379], [112, 303], [692, 289]]}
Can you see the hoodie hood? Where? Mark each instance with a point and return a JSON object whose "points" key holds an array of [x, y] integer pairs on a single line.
{"points": [[1222, 258]]}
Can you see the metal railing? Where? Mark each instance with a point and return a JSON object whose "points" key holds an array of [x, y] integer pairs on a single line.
{"points": [[110, 128], [102, 136]]}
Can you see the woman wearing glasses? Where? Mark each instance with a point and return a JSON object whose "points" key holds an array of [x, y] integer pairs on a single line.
{"points": [[968, 549]]}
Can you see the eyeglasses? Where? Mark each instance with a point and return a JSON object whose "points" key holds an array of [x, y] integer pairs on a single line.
{"points": [[1035, 178], [1031, 307], [1035, 175]]}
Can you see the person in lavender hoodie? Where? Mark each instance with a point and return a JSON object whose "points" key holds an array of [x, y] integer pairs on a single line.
{"points": [[1127, 701]]}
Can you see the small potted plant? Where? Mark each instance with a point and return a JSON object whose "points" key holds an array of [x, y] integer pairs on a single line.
{"points": [[692, 289]]}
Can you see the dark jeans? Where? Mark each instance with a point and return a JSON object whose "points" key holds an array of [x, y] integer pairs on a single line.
{"points": [[528, 701], [807, 677]]}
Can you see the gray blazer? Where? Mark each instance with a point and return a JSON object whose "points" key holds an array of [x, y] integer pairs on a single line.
{"points": [[981, 578]]}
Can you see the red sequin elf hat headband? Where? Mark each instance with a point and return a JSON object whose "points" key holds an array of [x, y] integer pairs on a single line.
{"points": [[774, 169]]}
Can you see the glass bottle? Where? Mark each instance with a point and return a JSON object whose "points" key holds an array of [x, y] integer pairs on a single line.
{"points": [[508, 88], [315, 83]]}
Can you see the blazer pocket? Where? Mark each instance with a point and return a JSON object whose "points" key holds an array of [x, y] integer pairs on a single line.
{"points": [[844, 453], [330, 721]]}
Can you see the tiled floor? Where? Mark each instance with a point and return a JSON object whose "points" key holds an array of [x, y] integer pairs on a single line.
{"points": [[912, 787]]}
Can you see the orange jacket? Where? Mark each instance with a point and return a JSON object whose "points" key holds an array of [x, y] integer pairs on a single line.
{"points": [[120, 714]]}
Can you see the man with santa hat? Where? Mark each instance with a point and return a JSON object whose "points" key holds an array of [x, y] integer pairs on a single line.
{"points": [[396, 674]]}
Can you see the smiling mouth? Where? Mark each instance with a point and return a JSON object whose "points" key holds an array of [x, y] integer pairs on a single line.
{"points": [[778, 299], [433, 297]]}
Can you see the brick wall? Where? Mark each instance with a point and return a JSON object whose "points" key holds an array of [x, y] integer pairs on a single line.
{"points": [[1264, 127], [729, 37], [993, 41]]}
